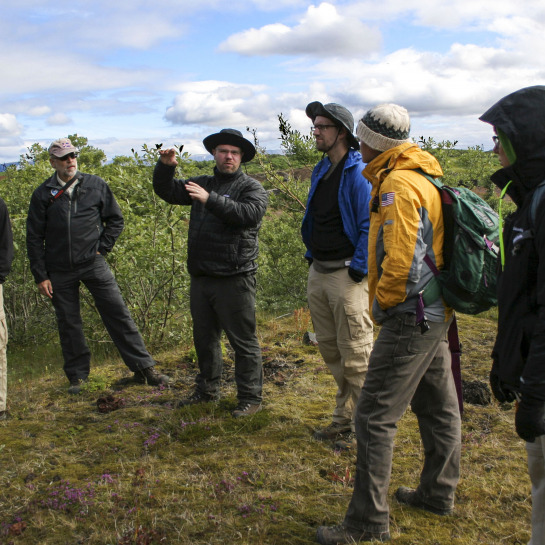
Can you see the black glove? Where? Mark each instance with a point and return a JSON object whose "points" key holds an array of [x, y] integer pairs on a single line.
{"points": [[355, 275], [501, 393], [530, 418]]}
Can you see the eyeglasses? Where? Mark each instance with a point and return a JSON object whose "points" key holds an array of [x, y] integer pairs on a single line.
{"points": [[234, 153], [67, 156], [321, 127], [496, 141]]}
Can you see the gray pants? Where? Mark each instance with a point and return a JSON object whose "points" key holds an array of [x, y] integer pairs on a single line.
{"points": [[100, 282], [228, 304], [405, 368], [536, 469]]}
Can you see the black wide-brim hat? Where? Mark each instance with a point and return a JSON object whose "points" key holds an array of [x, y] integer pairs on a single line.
{"points": [[230, 137]]}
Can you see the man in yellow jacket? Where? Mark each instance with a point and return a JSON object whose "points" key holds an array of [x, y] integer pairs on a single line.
{"points": [[410, 363]]}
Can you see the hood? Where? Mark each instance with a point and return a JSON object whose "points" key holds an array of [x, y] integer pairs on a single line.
{"points": [[521, 117], [407, 156]]}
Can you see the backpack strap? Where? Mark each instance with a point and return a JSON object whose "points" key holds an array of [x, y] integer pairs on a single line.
{"points": [[537, 197], [64, 189], [432, 290]]}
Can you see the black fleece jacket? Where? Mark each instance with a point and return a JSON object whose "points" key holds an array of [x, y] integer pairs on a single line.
{"points": [[68, 232]]}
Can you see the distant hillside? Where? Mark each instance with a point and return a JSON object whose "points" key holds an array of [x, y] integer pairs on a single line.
{"points": [[4, 166]]}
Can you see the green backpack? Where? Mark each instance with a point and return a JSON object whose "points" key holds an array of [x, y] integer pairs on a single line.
{"points": [[467, 281]]}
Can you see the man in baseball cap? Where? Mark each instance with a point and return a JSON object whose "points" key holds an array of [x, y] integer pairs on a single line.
{"points": [[226, 212], [66, 249], [335, 229]]}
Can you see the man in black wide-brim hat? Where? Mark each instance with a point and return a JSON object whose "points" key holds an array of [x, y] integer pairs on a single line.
{"points": [[226, 212]]}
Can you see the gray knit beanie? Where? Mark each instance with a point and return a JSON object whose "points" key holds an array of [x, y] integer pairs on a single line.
{"points": [[384, 127]]}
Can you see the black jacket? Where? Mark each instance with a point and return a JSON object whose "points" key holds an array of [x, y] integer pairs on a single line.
{"points": [[519, 351], [6, 242], [68, 232], [222, 239]]}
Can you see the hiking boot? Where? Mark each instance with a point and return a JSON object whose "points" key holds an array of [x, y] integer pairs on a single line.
{"points": [[347, 443], [409, 496], [246, 409], [151, 376], [338, 535], [195, 398], [332, 432], [76, 385]]}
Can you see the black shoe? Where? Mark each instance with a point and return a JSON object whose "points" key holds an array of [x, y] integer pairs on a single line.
{"points": [[76, 385], [246, 409], [3, 415], [338, 535], [409, 496], [151, 376], [195, 398]]}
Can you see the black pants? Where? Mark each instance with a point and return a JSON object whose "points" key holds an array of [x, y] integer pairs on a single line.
{"points": [[227, 304], [100, 282]]}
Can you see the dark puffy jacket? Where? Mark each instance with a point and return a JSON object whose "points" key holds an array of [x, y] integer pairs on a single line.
{"points": [[68, 232], [222, 238], [6, 242], [519, 351]]}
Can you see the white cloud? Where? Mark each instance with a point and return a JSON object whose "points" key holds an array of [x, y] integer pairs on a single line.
{"points": [[29, 71], [58, 119], [9, 126], [38, 111], [323, 31], [216, 103]]}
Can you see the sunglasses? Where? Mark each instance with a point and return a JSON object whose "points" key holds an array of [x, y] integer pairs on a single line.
{"points": [[67, 156]]}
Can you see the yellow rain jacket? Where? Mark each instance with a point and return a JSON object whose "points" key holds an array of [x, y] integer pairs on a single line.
{"points": [[406, 224]]}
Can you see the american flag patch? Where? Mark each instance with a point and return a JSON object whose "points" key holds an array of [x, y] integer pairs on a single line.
{"points": [[387, 199]]}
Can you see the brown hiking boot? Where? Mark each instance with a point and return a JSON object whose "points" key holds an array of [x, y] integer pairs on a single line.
{"points": [[151, 376], [246, 409], [348, 443], [409, 496], [338, 535], [332, 432]]}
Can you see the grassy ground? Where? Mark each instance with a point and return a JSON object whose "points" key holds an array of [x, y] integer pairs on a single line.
{"points": [[149, 473]]}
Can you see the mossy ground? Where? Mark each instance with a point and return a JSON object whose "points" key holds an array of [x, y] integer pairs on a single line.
{"points": [[150, 473]]}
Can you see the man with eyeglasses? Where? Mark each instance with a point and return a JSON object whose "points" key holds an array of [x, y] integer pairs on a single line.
{"points": [[72, 224], [335, 232], [227, 208]]}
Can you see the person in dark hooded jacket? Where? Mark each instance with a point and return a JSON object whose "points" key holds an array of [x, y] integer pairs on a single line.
{"points": [[518, 369]]}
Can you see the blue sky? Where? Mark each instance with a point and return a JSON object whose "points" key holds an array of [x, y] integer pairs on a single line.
{"points": [[128, 73]]}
